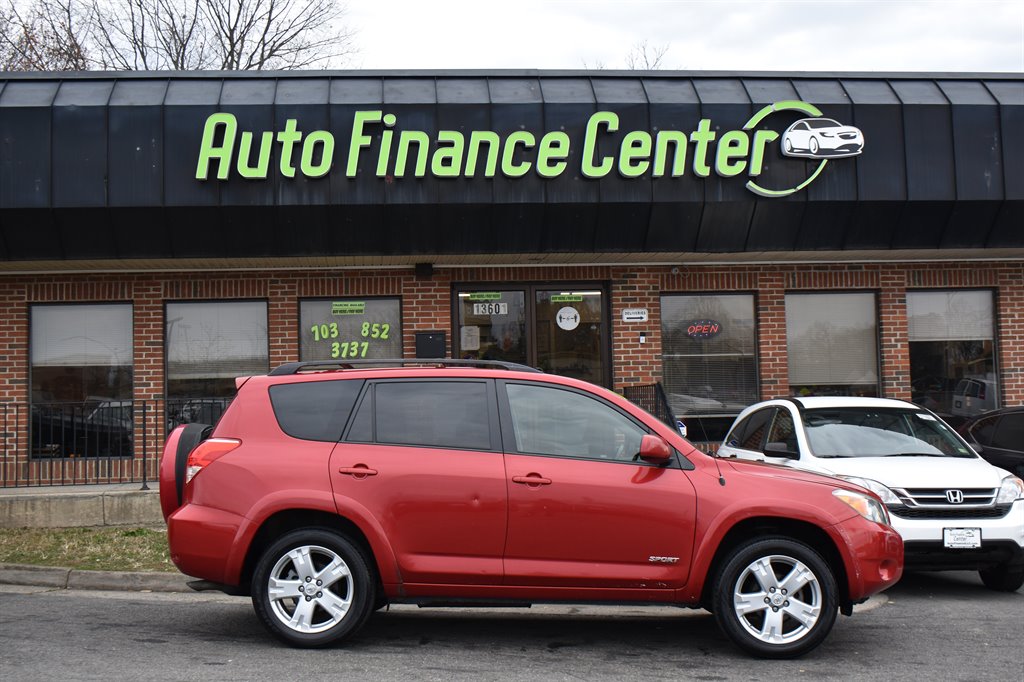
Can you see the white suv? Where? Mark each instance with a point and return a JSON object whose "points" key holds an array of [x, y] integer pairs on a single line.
{"points": [[954, 510]]}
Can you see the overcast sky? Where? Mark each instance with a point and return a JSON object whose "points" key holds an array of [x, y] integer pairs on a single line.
{"points": [[787, 35]]}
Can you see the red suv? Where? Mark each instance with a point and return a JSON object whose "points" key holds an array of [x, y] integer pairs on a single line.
{"points": [[326, 492]]}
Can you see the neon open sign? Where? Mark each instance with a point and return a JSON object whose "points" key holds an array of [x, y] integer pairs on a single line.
{"points": [[703, 329]]}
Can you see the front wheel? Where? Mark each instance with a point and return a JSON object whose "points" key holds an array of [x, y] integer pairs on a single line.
{"points": [[1003, 579], [312, 588], [775, 598]]}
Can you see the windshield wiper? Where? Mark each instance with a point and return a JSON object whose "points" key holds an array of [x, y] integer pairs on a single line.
{"points": [[916, 454]]}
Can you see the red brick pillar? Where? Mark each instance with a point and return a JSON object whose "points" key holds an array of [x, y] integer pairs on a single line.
{"points": [[426, 306], [14, 360], [1010, 316], [771, 335], [282, 321], [148, 375], [893, 333], [634, 362]]}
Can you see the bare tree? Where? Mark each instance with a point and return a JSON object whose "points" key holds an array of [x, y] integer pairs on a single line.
{"points": [[277, 34], [646, 57], [150, 35], [128, 35], [48, 36]]}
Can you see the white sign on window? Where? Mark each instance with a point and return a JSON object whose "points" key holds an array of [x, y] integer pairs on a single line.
{"points": [[470, 338], [634, 315]]}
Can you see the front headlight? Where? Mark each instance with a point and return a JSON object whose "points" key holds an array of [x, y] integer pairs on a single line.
{"points": [[888, 496], [1011, 490], [868, 507]]}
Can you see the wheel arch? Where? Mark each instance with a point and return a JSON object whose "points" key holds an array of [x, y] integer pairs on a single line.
{"points": [[757, 527], [285, 521]]}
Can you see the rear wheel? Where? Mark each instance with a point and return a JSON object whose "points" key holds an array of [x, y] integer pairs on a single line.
{"points": [[1002, 578], [313, 587], [776, 598]]}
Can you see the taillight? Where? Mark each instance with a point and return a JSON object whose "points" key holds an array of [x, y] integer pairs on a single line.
{"points": [[206, 453]]}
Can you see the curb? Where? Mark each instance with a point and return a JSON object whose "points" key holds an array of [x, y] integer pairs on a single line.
{"points": [[73, 579]]}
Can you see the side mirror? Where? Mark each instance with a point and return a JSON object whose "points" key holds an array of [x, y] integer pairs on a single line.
{"points": [[780, 450], [654, 449]]}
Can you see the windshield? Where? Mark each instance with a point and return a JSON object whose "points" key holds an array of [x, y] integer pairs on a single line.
{"points": [[870, 432], [823, 123]]}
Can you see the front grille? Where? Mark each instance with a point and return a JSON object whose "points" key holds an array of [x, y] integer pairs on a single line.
{"points": [[947, 513], [935, 498]]}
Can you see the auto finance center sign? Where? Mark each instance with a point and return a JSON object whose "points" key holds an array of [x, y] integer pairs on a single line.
{"points": [[395, 152]]}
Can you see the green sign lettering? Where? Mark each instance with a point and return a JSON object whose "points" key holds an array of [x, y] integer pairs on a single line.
{"points": [[398, 152], [348, 307]]}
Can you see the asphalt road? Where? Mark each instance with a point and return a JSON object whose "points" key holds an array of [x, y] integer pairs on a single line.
{"points": [[933, 626]]}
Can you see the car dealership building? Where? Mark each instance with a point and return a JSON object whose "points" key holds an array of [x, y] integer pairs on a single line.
{"points": [[730, 236]]}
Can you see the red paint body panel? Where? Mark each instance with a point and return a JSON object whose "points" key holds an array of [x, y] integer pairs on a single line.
{"points": [[442, 511], [597, 524]]}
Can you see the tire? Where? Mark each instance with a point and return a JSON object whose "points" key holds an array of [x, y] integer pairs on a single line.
{"points": [[814, 145], [749, 601], [331, 610], [788, 145], [1002, 578]]}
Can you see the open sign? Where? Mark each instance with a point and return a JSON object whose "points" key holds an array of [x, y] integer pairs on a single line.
{"points": [[703, 329]]}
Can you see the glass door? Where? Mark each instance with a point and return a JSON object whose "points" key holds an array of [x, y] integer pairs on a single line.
{"points": [[561, 330], [492, 326], [569, 331]]}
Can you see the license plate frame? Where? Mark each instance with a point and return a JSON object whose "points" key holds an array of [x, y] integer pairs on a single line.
{"points": [[961, 538]]}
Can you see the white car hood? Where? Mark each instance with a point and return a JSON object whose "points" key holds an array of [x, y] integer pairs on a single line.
{"points": [[917, 472]]}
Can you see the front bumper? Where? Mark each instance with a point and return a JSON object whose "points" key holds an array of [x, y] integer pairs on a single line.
{"points": [[1002, 540], [875, 559]]}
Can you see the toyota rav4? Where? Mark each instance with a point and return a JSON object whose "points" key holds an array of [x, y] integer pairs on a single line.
{"points": [[328, 491]]}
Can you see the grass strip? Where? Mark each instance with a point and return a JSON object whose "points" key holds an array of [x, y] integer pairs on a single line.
{"points": [[98, 549]]}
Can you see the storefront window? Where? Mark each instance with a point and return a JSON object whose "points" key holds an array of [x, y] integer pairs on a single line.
{"points": [[832, 344], [708, 360], [492, 325], [209, 345], [952, 363], [349, 329], [81, 357]]}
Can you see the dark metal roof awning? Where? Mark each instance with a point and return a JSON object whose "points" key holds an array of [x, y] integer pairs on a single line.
{"points": [[103, 166]]}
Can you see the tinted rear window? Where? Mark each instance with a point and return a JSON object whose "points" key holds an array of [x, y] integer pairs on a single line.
{"points": [[315, 410], [442, 414]]}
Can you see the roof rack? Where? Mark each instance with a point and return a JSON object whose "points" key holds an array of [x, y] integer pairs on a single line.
{"points": [[324, 365]]}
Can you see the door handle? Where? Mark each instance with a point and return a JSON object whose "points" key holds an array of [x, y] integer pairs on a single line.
{"points": [[533, 480], [359, 471]]}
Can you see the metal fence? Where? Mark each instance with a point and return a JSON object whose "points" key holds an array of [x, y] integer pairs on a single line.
{"points": [[80, 443], [652, 398]]}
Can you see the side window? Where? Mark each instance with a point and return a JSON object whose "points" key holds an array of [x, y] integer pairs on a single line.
{"points": [[314, 410], [757, 424], [552, 421], [1010, 432], [984, 430], [442, 414], [783, 430], [735, 435]]}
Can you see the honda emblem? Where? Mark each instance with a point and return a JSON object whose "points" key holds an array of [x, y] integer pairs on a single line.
{"points": [[954, 496]]}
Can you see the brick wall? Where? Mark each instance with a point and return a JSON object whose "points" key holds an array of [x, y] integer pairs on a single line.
{"points": [[426, 306]]}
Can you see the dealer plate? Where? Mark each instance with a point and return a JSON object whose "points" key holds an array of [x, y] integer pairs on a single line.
{"points": [[961, 538]]}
